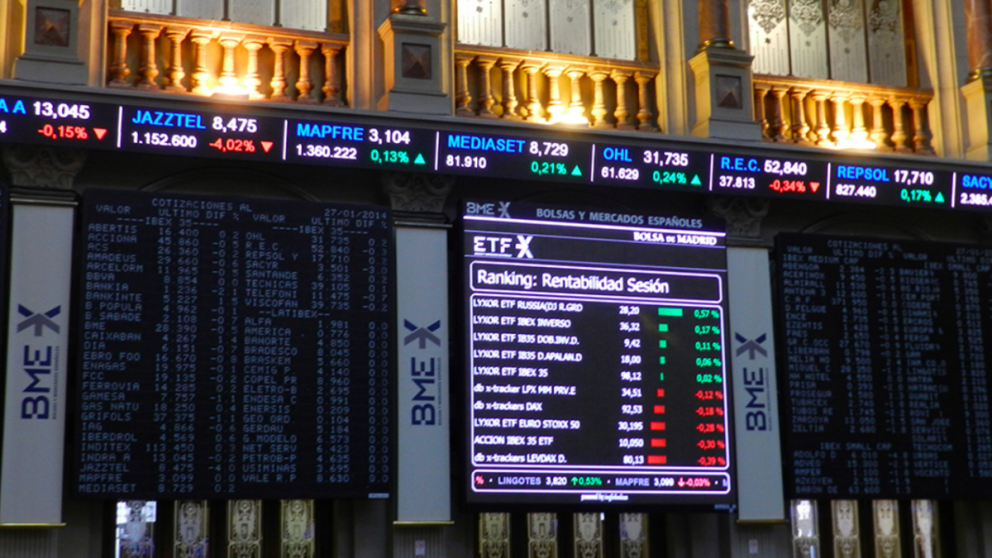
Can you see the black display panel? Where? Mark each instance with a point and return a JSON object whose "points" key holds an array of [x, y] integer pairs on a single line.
{"points": [[341, 138], [883, 375], [595, 357], [233, 348]]}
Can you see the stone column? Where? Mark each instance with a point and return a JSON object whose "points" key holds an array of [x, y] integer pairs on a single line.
{"points": [[978, 91], [724, 102], [714, 23], [51, 43], [978, 16], [412, 67], [423, 517]]}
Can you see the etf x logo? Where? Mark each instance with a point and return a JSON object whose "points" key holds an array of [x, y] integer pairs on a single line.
{"points": [[39, 321], [422, 334], [503, 246], [752, 347]]}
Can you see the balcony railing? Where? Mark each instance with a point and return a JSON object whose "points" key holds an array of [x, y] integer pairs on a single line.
{"points": [[838, 114], [550, 88], [182, 55]]}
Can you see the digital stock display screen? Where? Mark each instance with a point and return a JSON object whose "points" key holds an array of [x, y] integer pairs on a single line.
{"points": [[233, 348], [229, 131], [884, 382], [595, 357]]}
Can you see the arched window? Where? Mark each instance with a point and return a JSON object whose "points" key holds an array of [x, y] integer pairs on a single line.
{"points": [[859, 41], [604, 28]]}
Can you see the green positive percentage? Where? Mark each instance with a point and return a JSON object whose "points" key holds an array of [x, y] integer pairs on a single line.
{"points": [[706, 329], [700, 314], [919, 195], [587, 481], [709, 378], [389, 156], [669, 177], [545, 167], [705, 362]]}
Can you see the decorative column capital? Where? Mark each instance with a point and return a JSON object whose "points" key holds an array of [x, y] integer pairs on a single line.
{"points": [[422, 195], [743, 216], [43, 167]]}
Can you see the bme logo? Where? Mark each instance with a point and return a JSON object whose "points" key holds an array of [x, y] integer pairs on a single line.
{"points": [[503, 246], [38, 362], [425, 374]]}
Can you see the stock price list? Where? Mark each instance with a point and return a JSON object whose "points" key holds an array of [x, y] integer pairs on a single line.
{"points": [[232, 348], [596, 354], [884, 368]]}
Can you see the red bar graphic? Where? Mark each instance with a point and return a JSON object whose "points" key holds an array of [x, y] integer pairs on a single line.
{"points": [[658, 442], [657, 426], [659, 409], [657, 460], [661, 392]]}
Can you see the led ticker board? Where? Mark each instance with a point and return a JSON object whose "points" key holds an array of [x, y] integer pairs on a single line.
{"points": [[596, 358], [476, 148], [232, 348], [885, 389]]}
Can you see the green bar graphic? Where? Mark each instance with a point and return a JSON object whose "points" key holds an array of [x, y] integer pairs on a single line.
{"points": [[663, 327], [677, 312], [662, 344], [662, 359]]}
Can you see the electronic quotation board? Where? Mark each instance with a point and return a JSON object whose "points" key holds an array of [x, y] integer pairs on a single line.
{"points": [[596, 357], [884, 378], [236, 132], [233, 348]]}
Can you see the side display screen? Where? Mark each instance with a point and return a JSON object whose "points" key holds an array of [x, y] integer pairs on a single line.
{"points": [[233, 348], [884, 379], [596, 357]]}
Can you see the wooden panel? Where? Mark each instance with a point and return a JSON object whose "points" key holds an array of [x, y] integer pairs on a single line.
{"points": [[615, 29], [848, 58], [769, 34], [202, 9], [885, 42], [808, 39], [148, 6], [259, 12], [571, 27], [526, 24], [303, 14], [480, 22]]}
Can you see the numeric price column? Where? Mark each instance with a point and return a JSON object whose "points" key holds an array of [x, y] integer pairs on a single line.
{"points": [[631, 390]]}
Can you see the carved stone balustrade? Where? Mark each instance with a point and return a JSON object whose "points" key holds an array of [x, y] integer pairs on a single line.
{"points": [[182, 55], [837, 114], [550, 88]]}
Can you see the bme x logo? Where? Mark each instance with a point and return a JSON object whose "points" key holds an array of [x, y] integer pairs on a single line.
{"points": [[38, 321]]}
